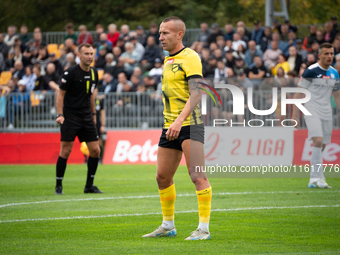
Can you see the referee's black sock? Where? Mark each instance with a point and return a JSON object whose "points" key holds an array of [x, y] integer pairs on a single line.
{"points": [[92, 164], [61, 166]]}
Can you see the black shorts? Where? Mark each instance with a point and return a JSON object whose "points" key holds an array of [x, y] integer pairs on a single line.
{"points": [[194, 132], [78, 123]]}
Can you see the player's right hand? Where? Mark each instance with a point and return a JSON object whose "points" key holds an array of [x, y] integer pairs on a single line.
{"points": [[60, 120], [297, 119]]}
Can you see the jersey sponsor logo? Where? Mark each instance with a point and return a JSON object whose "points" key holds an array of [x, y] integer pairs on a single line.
{"points": [[66, 73], [319, 75], [63, 80], [170, 61], [326, 77], [87, 77]]}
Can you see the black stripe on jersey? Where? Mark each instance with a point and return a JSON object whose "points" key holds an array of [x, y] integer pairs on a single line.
{"points": [[171, 55], [193, 76], [167, 102], [194, 117]]}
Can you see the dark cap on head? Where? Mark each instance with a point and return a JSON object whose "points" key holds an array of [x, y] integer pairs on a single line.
{"points": [[256, 21], [52, 54], [214, 25], [299, 41], [334, 18], [139, 27], [157, 60]]}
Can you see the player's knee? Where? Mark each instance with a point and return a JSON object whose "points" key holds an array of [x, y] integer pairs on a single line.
{"points": [[95, 153], [65, 152], [161, 179], [317, 142], [197, 180]]}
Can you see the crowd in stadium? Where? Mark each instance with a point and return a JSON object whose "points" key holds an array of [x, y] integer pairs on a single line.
{"points": [[131, 61]]}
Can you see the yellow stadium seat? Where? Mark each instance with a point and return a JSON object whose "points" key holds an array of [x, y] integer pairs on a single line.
{"points": [[52, 48], [5, 77], [57, 53], [61, 46], [34, 100], [94, 53], [100, 74]]}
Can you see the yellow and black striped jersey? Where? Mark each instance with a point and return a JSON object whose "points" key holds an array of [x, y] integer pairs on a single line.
{"points": [[178, 69]]}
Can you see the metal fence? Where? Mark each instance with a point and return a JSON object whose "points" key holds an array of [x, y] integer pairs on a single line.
{"points": [[189, 37], [131, 110]]}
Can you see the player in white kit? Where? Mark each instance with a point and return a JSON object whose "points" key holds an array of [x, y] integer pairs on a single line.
{"points": [[322, 80]]}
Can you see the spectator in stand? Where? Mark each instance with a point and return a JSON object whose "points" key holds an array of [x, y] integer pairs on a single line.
{"points": [[336, 45], [100, 60], [302, 69], [243, 36], [210, 68], [269, 83], [229, 31], [141, 36], [99, 31], [109, 83], [40, 82], [136, 81], [84, 36], [292, 41], [337, 63], [283, 46], [70, 60], [240, 66], [291, 27], [18, 70], [258, 71], [243, 81], [157, 70], [213, 46], [138, 47], [113, 34], [123, 83], [42, 58], [282, 63], [329, 33], [125, 33], [336, 28], [121, 44], [228, 45], [69, 45], [240, 53], [204, 59], [271, 55], [69, 28], [294, 59], [276, 26], [284, 32], [116, 52], [62, 57], [2, 63], [266, 39], [111, 66], [38, 38], [154, 32], [104, 42], [215, 31], [27, 83], [237, 41], [315, 49], [218, 54], [241, 24], [320, 38], [17, 55], [220, 42], [307, 42], [257, 33], [59, 68], [310, 59], [229, 59], [150, 84], [299, 48], [251, 53], [151, 53], [202, 37], [10, 37], [52, 78], [128, 59], [4, 49], [221, 73], [18, 42], [24, 36], [137, 71]]}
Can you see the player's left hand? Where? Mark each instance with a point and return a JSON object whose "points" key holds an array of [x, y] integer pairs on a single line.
{"points": [[173, 131], [95, 119]]}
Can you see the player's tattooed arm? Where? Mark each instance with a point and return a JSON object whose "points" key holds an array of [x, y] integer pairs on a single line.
{"points": [[195, 85]]}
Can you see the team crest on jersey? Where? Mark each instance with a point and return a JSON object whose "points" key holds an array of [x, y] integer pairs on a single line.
{"points": [[63, 80], [175, 68], [170, 61], [92, 88], [332, 75]]}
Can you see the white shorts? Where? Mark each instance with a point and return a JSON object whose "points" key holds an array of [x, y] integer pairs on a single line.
{"points": [[319, 128]]}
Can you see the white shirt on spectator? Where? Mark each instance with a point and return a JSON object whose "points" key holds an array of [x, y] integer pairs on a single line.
{"points": [[235, 45]]}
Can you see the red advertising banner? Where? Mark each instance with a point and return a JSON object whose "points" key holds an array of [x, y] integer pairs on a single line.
{"points": [[34, 148], [303, 148], [132, 147]]}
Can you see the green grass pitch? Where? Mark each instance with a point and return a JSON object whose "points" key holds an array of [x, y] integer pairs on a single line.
{"points": [[250, 215]]}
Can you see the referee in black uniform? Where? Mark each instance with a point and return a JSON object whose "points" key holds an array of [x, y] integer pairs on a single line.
{"points": [[76, 114]]}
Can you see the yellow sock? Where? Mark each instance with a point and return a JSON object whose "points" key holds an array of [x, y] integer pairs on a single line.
{"points": [[168, 197], [204, 204]]}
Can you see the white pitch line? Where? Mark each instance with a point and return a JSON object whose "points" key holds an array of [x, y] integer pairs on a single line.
{"points": [[157, 196], [157, 213]]}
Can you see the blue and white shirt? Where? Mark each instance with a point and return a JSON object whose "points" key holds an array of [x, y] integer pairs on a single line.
{"points": [[321, 83]]}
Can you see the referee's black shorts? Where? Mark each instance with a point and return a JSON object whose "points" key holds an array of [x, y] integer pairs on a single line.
{"points": [[194, 132], [78, 123]]}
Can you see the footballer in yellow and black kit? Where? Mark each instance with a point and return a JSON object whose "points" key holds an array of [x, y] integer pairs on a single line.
{"points": [[178, 69]]}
